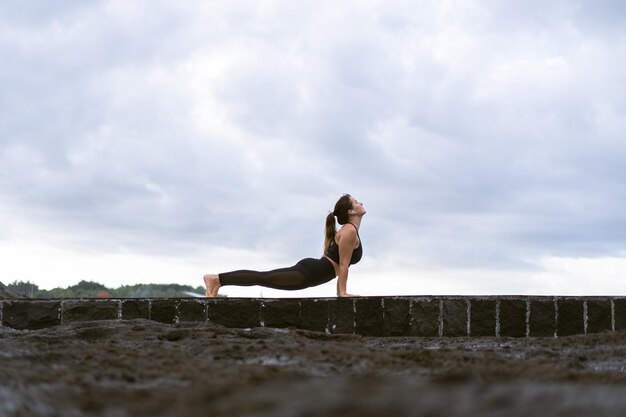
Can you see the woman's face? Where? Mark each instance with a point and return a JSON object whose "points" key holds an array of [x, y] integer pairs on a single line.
{"points": [[357, 207]]}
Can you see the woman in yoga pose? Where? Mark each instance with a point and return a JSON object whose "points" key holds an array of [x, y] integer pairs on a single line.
{"points": [[341, 249]]}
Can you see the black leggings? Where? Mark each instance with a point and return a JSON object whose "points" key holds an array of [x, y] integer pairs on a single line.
{"points": [[307, 273]]}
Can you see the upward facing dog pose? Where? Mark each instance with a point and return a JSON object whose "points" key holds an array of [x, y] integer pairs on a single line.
{"points": [[341, 249]]}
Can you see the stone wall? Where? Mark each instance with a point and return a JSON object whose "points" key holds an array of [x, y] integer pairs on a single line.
{"points": [[432, 316]]}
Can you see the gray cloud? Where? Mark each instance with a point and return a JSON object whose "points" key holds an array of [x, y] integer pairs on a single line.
{"points": [[484, 136]]}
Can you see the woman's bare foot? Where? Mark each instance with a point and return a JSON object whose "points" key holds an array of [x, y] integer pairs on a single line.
{"points": [[212, 283]]}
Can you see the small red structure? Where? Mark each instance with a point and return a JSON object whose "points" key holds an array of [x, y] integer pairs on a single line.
{"points": [[103, 294]]}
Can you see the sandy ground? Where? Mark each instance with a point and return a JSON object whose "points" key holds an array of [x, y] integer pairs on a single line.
{"points": [[144, 368]]}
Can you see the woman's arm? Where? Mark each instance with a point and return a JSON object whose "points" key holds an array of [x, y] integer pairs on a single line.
{"points": [[346, 240]]}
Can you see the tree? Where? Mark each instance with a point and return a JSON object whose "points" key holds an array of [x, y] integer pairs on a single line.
{"points": [[88, 286], [27, 288], [90, 289]]}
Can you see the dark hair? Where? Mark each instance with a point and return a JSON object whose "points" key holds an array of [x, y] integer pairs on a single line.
{"points": [[343, 205]]}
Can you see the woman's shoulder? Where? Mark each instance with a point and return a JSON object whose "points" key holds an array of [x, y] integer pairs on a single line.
{"points": [[347, 231], [348, 228]]}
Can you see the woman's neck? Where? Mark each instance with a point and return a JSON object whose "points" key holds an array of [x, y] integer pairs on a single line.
{"points": [[355, 220]]}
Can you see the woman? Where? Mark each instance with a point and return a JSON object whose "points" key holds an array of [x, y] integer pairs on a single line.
{"points": [[341, 249]]}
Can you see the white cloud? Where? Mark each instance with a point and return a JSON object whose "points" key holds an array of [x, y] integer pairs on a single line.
{"points": [[481, 137], [581, 276]]}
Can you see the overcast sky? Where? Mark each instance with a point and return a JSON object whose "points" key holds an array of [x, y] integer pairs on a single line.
{"points": [[155, 141]]}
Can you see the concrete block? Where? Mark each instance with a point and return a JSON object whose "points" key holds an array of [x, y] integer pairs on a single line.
{"points": [[512, 318], [341, 315], [570, 319], [454, 317], [31, 314], [369, 316], [235, 312], [85, 310], [314, 314], [620, 314], [483, 317], [598, 316], [542, 321], [280, 313], [396, 316], [163, 310], [135, 309], [192, 310], [424, 318]]}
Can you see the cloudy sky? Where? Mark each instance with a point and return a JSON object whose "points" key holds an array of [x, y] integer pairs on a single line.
{"points": [[155, 141]]}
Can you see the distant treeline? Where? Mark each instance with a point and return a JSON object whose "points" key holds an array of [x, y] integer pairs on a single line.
{"points": [[90, 289]]}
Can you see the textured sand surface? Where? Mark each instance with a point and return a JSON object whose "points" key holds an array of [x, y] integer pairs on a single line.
{"points": [[145, 368]]}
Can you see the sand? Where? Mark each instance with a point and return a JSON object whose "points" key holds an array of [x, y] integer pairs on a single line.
{"points": [[145, 368]]}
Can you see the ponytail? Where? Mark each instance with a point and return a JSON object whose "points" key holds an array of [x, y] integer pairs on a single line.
{"points": [[330, 231], [343, 205]]}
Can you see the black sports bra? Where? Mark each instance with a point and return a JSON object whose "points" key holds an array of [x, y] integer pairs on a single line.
{"points": [[333, 250]]}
